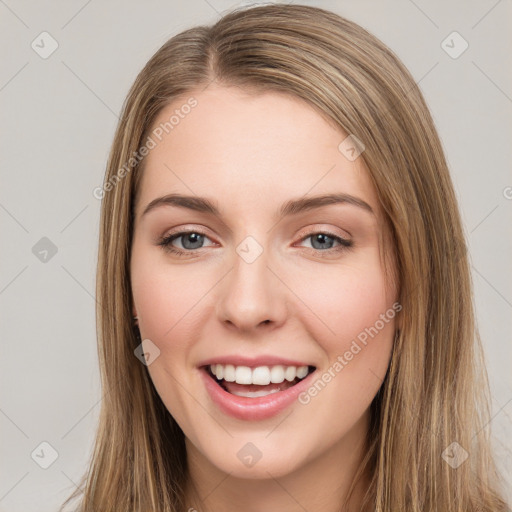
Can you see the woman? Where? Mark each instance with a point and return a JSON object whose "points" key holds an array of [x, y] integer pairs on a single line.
{"points": [[285, 317]]}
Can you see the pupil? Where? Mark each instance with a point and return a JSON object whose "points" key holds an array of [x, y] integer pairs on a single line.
{"points": [[322, 238], [196, 238]]}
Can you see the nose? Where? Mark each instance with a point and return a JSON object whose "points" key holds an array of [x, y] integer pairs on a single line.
{"points": [[251, 296]]}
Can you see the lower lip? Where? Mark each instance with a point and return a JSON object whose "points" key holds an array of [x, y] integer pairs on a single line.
{"points": [[253, 409]]}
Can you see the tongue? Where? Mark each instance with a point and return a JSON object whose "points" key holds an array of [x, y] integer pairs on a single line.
{"points": [[233, 387]]}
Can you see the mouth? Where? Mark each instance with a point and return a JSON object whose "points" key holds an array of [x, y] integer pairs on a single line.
{"points": [[257, 382]]}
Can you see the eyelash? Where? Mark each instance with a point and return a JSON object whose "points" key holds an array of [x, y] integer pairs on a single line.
{"points": [[165, 243]]}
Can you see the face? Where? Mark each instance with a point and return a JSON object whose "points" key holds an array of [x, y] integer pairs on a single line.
{"points": [[254, 276]]}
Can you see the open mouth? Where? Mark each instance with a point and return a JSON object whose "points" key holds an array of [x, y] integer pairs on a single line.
{"points": [[256, 382]]}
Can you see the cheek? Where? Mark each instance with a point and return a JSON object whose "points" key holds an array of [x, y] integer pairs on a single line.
{"points": [[354, 323], [344, 303], [167, 299], [171, 305]]}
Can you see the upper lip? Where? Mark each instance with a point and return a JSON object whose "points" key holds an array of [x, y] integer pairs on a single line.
{"points": [[252, 362]]}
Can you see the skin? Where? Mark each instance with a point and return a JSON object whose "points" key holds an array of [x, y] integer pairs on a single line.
{"points": [[250, 153]]}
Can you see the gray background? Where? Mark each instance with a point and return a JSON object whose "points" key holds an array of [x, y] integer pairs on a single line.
{"points": [[58, 119]]}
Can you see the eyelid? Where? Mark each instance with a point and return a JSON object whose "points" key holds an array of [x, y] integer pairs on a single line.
{"points": [[320, 229], [182, 230]]}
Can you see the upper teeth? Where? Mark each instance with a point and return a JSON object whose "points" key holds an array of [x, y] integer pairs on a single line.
{"points": [[261, 375]]}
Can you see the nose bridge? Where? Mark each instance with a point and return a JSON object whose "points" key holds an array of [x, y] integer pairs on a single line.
{"points": [[251, 294]]}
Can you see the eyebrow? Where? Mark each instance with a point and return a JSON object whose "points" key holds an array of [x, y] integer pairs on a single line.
{"points": [[291, 207]]}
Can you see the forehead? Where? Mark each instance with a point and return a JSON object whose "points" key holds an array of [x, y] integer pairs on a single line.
{"points": [[248, 149]]}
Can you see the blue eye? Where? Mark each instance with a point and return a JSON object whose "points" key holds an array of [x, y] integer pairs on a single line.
{"points": [[321, 238], [193, 240]]}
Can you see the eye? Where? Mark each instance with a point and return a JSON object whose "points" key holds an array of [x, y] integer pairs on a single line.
{"points": [[323, 242], [190, 242]]}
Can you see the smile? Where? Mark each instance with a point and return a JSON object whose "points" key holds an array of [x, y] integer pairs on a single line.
{"points": [[255, 393]]}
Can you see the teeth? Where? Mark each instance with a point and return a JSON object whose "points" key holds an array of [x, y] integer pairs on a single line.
{"points": [[277, 374], [262, 375], [302, 371], [229, 372], [243, 375], [290, 373]]}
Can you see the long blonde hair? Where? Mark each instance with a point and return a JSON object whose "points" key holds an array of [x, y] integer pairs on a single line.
{"points": [[435, 392]]}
